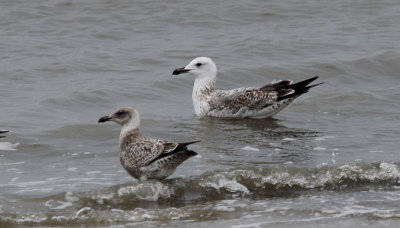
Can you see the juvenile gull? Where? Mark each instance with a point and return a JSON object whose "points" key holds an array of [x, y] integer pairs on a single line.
{"points": [[145, 158], [251, 102]]}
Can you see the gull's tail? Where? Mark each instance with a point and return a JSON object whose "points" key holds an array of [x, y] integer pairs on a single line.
{"points": [[191, 153], [299, 88]]}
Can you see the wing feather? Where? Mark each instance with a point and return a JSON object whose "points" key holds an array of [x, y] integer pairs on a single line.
{"points": [[249, 98], [258, 98], [146, 151]]}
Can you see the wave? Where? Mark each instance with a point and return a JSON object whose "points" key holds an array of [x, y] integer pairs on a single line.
{"points": [[247, 182], [172, 198]]}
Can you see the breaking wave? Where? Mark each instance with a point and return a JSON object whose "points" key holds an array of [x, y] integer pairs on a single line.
{"points": [[187, 198]]}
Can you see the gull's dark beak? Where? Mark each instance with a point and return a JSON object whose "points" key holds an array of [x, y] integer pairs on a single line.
{"points": [[181, 70], [104, 119]]}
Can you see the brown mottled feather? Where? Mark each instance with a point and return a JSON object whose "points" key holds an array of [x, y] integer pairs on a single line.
{"points": [[137, 150], [256, 98], [251, 98]]}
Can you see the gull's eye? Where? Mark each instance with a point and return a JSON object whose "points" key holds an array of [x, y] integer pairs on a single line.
{"points": [[120, 113], [198, 64]]}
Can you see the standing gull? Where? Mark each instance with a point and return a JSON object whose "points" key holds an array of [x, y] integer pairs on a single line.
{"points": [[252, 102], [145, 158]]}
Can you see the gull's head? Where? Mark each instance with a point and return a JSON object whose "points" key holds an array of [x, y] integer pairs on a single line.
{"points": [[200, 67], [123, 116]]}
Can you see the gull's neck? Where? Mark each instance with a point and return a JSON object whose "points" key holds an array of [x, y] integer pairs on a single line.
{"points": [[202, 89], [130, 130], [204, 85]]}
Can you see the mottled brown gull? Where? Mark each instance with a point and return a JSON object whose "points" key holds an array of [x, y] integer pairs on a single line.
{"points": [[145, 158], [250, 102]]}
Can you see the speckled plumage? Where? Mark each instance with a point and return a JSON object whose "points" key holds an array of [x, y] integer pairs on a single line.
{"points": [[145, 158], [253, 102]]}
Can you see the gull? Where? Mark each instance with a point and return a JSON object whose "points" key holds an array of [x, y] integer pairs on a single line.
{"points": [[145, 158], [250, 102]]}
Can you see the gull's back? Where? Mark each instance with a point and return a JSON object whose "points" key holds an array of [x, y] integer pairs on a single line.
{"points": [[145, 158]]}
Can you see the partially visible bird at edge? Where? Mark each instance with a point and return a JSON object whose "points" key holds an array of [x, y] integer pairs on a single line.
{"points": [[2, 133]]}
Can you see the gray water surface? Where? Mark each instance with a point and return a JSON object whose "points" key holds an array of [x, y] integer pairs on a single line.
{"points": [[331, 158]]}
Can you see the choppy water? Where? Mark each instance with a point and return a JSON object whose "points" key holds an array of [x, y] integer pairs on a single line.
{"points": [[331, 158]]}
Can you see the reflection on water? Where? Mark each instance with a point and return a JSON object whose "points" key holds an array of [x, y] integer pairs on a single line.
{"points": [[255, 141]]}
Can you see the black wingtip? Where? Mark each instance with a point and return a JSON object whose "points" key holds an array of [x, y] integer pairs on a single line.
{"points": [[303, 83], [185, 144], [191, 153], [300, 88], [315, 85], [188, 143]]}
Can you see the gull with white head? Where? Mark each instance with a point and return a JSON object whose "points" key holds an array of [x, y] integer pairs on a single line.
{"points": [[145, 158], [250, 102]]}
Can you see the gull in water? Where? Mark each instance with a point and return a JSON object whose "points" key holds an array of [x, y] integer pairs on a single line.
{"points": [[250, 102], [145, 158], [2, 132]]}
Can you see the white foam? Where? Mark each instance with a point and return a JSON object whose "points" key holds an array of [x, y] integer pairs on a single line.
{"points": [[250, 148], [323, 138], [333, 158], [223, 208], [83, 211], [117, 210], [35, 190], [233, 186], [147, 191], [69, 196], [289, 139], [229, 185], [61, 205], [319, 148], [59, 218], [54, 178], [28, 184], [376, 151], [93, 172], [72, 169], [8, 146], [15, 163]]}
